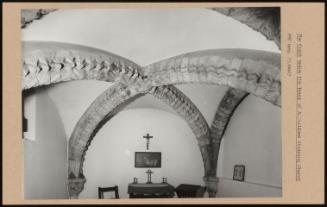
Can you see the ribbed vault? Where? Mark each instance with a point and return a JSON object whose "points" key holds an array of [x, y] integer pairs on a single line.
{"points": [[46, 63], [244, 71], [259, 72]]}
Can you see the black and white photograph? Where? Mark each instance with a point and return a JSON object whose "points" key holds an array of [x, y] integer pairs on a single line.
{"points": [[132, 103]]}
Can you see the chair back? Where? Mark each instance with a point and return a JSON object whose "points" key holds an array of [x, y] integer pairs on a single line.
{"points": [[103, 190]]}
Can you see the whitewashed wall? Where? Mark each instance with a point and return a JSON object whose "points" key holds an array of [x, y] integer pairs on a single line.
{"points": [[253, 139], [110, 159], [45, 157]]}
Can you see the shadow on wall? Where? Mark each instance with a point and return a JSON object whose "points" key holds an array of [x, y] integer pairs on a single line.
{"points": [[45, 158]]}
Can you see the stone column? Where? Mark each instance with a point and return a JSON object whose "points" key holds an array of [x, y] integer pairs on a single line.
{"points": [[75, 187], [211, 184]]}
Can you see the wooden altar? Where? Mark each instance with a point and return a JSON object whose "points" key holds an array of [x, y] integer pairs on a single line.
{"points": [[151, 190]]}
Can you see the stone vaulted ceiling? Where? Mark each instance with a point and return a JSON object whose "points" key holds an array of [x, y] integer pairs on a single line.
{"points": [[244, 71], [179, 36]]}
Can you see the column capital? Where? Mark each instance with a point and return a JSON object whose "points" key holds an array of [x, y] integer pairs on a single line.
{"points": [[75, 187], [210, 179], [211, 184]]}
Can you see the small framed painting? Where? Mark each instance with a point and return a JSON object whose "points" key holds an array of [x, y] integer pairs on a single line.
{"points": [[148, 159], [239, 172]]}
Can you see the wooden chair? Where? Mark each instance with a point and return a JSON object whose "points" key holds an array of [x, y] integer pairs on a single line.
{"points": [[188, 191], [101, 191]]}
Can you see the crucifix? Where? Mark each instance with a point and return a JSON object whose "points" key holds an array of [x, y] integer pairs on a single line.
{"points": [[147, 137], [149, 172]]}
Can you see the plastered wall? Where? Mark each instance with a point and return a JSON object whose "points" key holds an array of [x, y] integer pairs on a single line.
{"points": [[45, 153], [110, 159], [253, 138]]}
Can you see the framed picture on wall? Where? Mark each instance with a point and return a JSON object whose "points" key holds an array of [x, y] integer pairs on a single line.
{"points": [[239, 172], [148, 159]]}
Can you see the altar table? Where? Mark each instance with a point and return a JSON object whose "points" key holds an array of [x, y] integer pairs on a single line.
{"points": [[152, 190]]}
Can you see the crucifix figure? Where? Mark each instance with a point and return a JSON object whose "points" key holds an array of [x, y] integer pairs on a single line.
{"points": [[147, 137], [149, 172]]}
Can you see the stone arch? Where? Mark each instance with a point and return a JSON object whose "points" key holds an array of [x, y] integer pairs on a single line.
{"points": [[254, 71], [265, 20], [168, 94], [108, 104], [29, 15], [174, 98], [47, 63], [52, 62], [115, 98], [231, 100], [189, 68], [269, 27]]}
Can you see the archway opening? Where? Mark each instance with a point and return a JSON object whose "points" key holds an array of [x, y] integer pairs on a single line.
{"points": [[110, 160]]}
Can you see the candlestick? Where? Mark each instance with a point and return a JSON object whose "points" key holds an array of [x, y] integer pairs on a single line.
{"points": [[135, 180], [164, 180]]}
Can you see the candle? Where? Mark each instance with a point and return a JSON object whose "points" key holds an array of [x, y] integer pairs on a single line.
{"points": [[164, 180]]}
